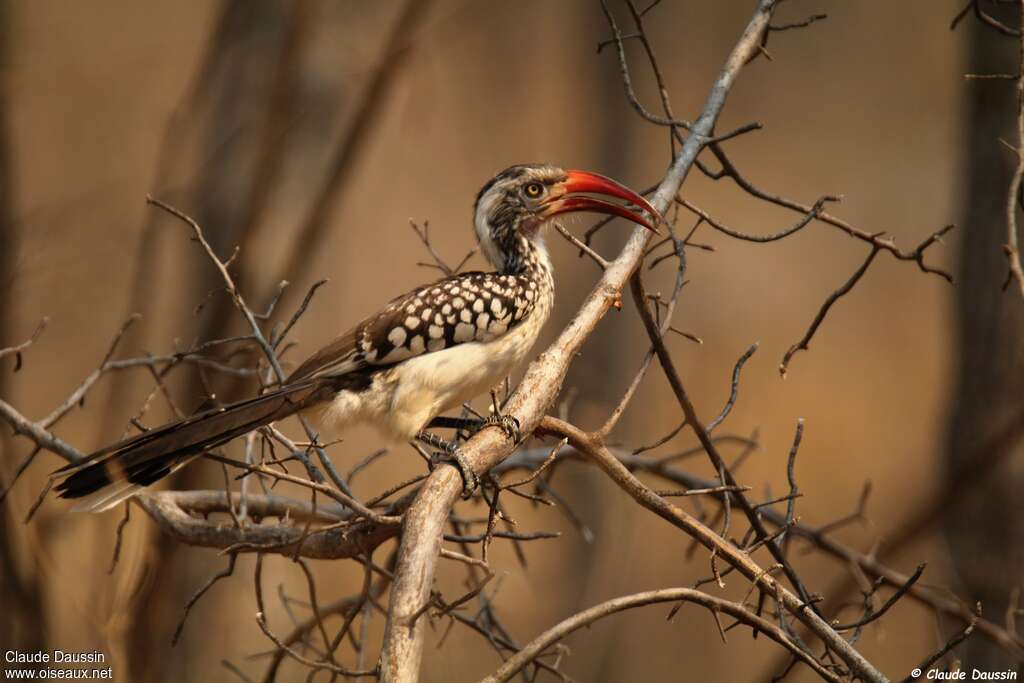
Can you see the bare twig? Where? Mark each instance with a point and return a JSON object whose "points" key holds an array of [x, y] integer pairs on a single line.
{"points": [[733, 388], [809, 216], [17, 350], [312, 664], [276, 342], [223, 574], [736, 610], [953, 642], [893, 599], [119, 536], [439, 263], [823, 311]]}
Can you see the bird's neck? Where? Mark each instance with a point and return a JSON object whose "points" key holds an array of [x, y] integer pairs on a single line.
{"points": [[521, 256]]}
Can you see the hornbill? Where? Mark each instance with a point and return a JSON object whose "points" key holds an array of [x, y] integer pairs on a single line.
{"points": [[425, 352]]}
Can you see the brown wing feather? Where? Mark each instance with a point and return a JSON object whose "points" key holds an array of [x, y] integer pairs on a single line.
{"points": [[341, 348], [345, 352], [463, 308]]}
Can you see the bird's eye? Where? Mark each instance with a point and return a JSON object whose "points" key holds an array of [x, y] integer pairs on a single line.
{"points": [[533, 190]]}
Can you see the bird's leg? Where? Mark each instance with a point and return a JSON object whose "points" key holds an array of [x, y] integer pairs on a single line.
{"points": [[506, 423], [470, 481], [467, 424]]}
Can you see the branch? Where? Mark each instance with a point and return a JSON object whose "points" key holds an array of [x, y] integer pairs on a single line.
{"points": [[39, 434], [893, 599], [424, 521], [953, 642], [809, 216], [690, 413], [712, 541], [587, 617], [823, 311], [175, 513], [229, 283], [819, 538], [876, 240], [17, 349]]}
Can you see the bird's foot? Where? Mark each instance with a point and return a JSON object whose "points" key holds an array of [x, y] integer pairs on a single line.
{"points": [[453, 455], [506, 423]]}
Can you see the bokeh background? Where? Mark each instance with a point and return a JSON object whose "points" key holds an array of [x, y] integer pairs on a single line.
{"points": [[310, 133]]}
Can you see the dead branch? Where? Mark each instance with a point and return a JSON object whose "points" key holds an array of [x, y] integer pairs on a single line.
{"points": [[950, 644], [690, 413], [313, 665], [819, 537], [587, 617], [823, 311], [424, 521], [736, 557], [171, 513], [17, 349], [38, 434]]}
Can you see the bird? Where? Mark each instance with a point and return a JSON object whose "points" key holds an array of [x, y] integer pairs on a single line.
{"points": [[426, 352]]}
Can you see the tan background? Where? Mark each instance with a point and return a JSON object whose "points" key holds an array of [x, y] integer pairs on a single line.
{"points": [[866, 104]]}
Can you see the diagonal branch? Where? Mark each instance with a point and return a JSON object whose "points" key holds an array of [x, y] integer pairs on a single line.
{"points": [[690, 413], [736, 557], [818, 536], [424, 522], [802, 345]]}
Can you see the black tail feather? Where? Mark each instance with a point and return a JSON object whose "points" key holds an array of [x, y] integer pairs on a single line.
{"points": [[148, 457]]}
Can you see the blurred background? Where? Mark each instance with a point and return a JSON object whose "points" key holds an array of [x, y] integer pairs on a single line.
{"points": [[311, 132]]}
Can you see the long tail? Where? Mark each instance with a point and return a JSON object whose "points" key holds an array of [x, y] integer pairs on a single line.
{"points": [[116, 473]]}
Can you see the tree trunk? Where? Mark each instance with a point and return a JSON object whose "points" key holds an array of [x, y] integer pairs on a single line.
{"points": [[985, 522]]}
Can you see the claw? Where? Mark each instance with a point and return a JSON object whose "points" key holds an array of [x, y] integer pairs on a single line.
{"points": [[507, 424], [470, 481], [452, 452]]}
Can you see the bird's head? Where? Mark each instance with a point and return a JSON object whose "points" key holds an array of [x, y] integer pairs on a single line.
{"points": [[513, 206]]}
